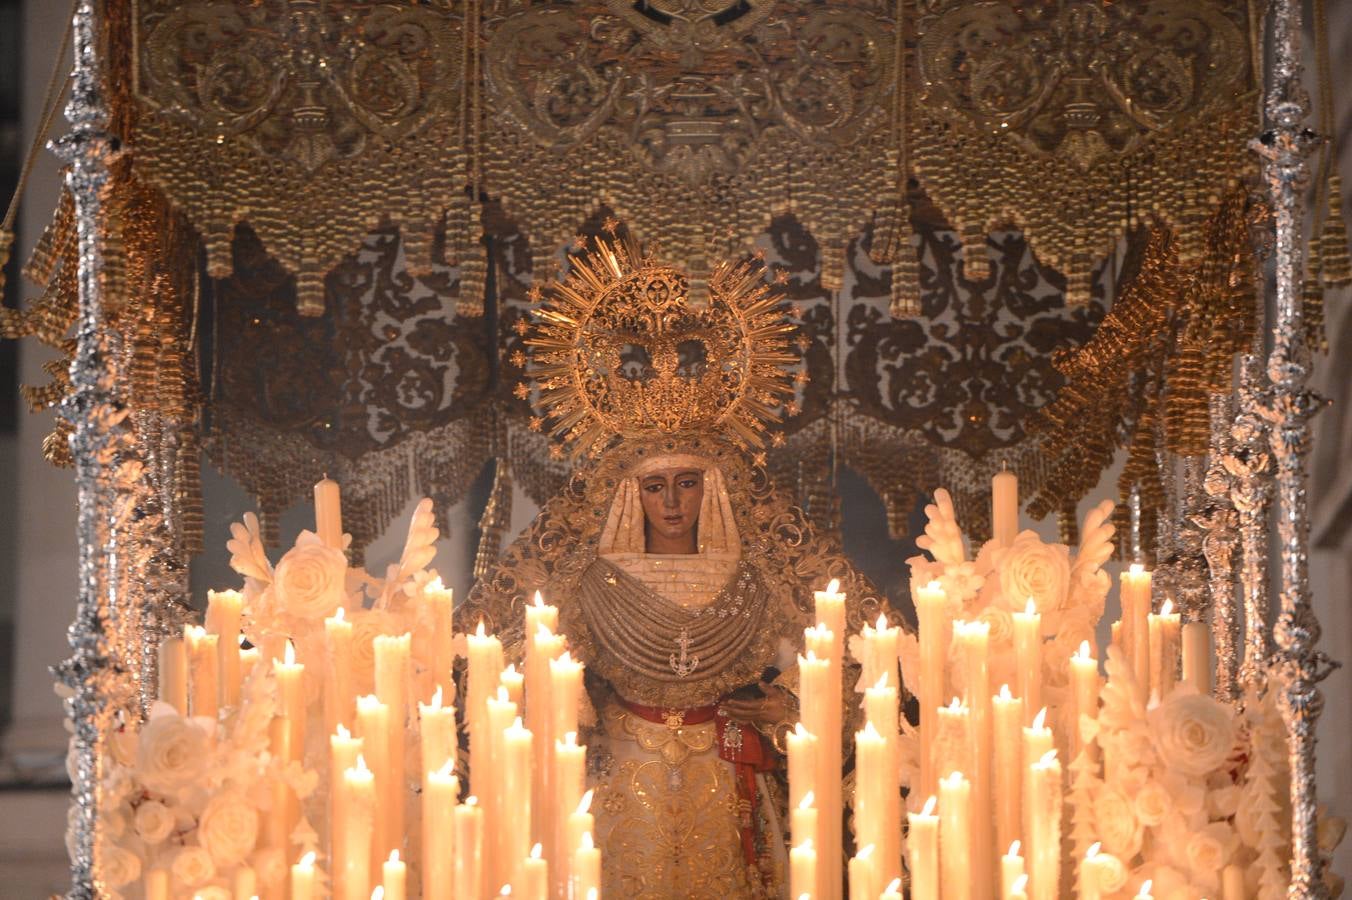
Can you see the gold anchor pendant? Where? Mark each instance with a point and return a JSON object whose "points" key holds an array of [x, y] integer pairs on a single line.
{"points": [[685, 663]]}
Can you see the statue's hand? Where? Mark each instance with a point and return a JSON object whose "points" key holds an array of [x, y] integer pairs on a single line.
{"points": [[762, 713]]}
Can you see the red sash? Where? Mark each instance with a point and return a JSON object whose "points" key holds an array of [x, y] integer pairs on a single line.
{"points": [[742, 745]]}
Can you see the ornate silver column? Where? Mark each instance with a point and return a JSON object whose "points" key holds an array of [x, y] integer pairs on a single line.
{"points": [[97, 678], [1249, 464], [1298, 668], [1218, 523]]}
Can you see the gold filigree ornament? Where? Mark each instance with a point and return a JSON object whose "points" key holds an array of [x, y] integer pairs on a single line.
{"points": [[620, 351]]}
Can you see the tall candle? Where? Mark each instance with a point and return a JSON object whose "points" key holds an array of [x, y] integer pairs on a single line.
{"points": [[1043, 799], [514, 683], [484, 670], [955, 836], [440, 799], [440, 602], [540, 652], [830, 609], [580, 822], [803, 870], [245, 886], [224, 609], [1011, 870], [802, 750], [469, 843], [303, 878], [533, 882], [955, 729], [863, 875], [329, 514], [1037, 741], [287, 743], [565, 687], [1232, 882], [1007, 781], [892, 891], [972, 640], [517, 795], [922, 843], [803, 822], [569, 779], [1028, 656], [1004, 507], [880, 704], [871, 766], [352, 868], [1091, 879], [498, 861], [373, 726], [586, 869], [1018, 890], [343, 752], [340, 696], [437, 733], [933, 622], [1197, 656], [392, 684], [394, 877], [203, 671], [1164, 634], [821, 694], [1135, 630], [1084, 679], [881, 643], [173, 674]]}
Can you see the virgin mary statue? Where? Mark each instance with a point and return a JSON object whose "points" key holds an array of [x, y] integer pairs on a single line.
{"points": [[684, 580]]}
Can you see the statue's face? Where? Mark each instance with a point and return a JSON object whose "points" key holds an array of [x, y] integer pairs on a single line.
{"points": [[671, 500]]}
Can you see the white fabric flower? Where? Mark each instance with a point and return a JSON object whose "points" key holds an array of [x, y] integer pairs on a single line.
{"points": [[1151, 803], [1030, 568], [310, 579], [1119, 830], [154, 822], [172, 753], [118, 866], [1192, 732], [1001, 625], [228, 828], [192, 866]]}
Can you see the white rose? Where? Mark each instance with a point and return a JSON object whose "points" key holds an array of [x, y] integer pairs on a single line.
{"points": [[192, 866], [1223, 801], [1112, 873], [172, 753], [117, 865], [1207, 851], [228, 828], [154, 822], [1192, 732], [1151, 803], [309, 581], [1001, 625], [1119, 830], [1030, 568]]}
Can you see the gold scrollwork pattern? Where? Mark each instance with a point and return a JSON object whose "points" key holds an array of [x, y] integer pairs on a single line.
{"points": [[312, 122], [1074, 121]]}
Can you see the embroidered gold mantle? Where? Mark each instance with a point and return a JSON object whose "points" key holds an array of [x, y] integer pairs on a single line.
{"points": [[656, 652]]}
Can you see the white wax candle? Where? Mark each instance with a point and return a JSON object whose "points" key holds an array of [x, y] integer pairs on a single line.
{"points": [[340, 696], [1135, 628], [203, 671], [517, 796], [373, 727], [1007, 781], [922, 841], [1091, 881], [1037, 742], [173, 674], [329, 515], [1164, 635], [291, 700], [533, 882], [392, 675], [880, 652], [157, 884], [1011, 870], [880, 704], [586, 869], [565, 686], [802, 749], [343, 752], [1028, 656], [1197, 656], [469, 845], [245, 886], [303, 878], [1084, 678], [224, 609], [863, 875], [1019, 889], [803, 870], [1004, 507], [933, 625], [567, 783], [484, 670], [1232, 883], [394, 877], [440, 602], [440, 800], [955, 725], [352, 866], [955, 836], [1043, 798], [972, 639]]}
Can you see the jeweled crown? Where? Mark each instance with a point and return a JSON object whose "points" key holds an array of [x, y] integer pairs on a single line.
{"points": [[618, 350]]}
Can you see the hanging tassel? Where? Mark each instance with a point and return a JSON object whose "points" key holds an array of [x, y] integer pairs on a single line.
{"points": [[1312, 296], [1337, 266], [495, 521], [905, 274], [976, 265]]}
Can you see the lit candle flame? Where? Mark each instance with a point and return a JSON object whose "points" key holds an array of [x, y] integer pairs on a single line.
{"points": [[1014, 848], [543, 632], [1020, 884], [956, 705], [586, 843], [1167, 608], [865, 853], [1004, 692], [447, 769], [882, 621], [538, 601], [1040, 720], [1093, 850], [290, 655], [378, 893], [339, 615], [934, 585], [308, 860], [343, 732], [808, 799], [394, 856], [1083, 652], [800, 731], [932, 802], [436, 584], [585, 803], [833, 587], [881, 682], [471, 800], [1030, 609], [1144, 892], [894, 886], [479, 632], [1047, 758], [436, 698], [805, 845], [537, 851], [1136, 569], [360, 767]]}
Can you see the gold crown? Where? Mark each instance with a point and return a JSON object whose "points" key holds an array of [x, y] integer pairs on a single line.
{"points": [[618, 350]]}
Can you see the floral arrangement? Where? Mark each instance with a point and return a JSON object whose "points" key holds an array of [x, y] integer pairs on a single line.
{"points": [[190, 796]]}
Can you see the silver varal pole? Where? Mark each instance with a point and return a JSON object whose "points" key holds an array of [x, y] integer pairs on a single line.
{"points": [[1285, 146], [93, 672]]}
